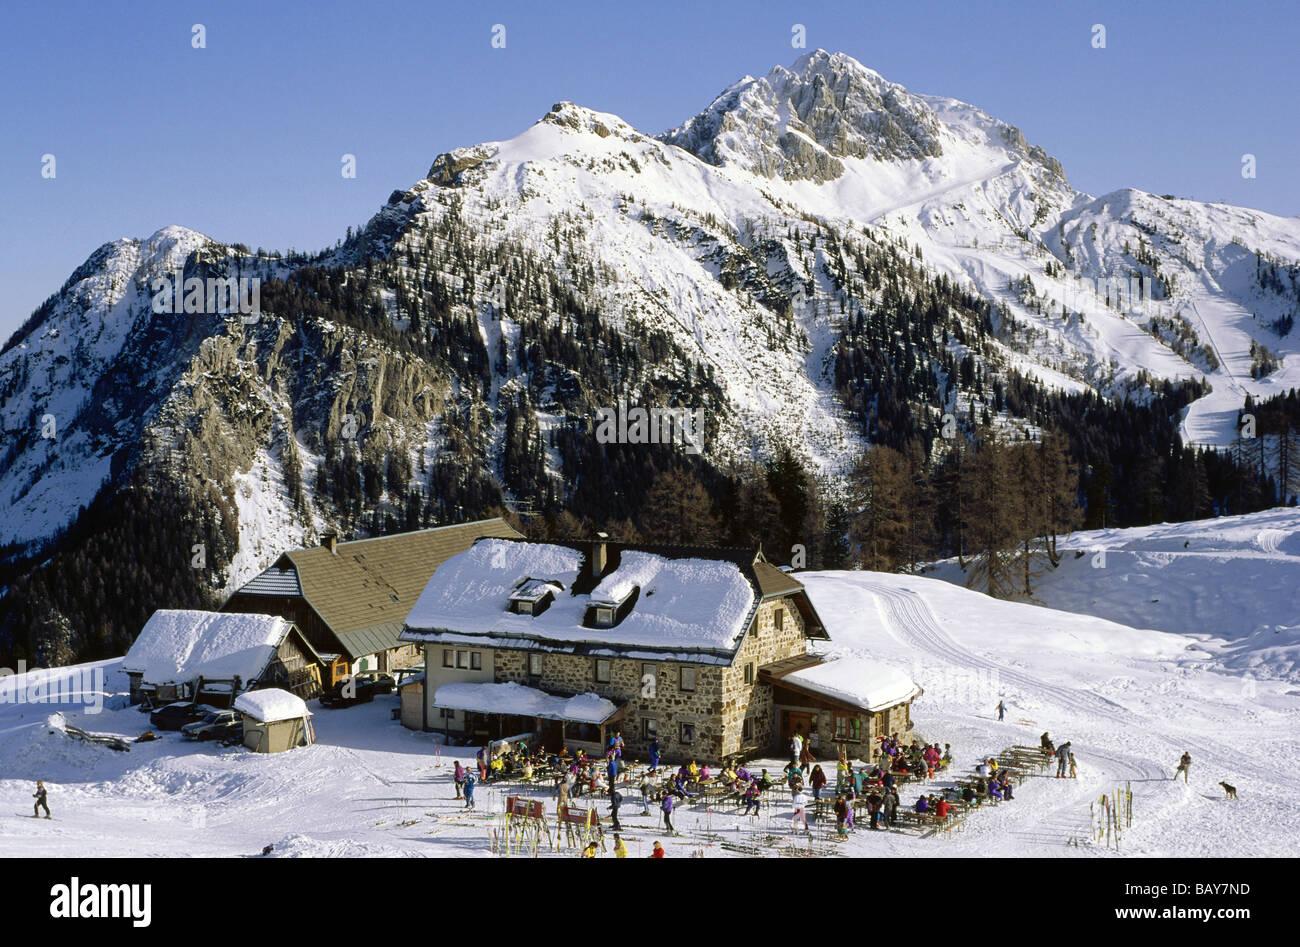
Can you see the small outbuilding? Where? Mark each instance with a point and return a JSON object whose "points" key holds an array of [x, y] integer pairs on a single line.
{"points": [[212, 658], [274, 720], [411, 691]]}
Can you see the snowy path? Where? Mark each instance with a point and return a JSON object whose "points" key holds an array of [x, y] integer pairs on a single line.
{"points": [[909, 616]]}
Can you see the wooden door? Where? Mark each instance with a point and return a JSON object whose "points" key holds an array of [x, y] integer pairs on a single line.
{"points": [[792, 722]]}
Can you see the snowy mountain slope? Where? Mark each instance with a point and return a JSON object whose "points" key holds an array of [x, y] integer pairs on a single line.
{"points": [[736, 237], [1231, 585], [1130, 700]]}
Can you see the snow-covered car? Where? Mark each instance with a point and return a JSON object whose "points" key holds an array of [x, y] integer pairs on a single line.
{"points": [[174, 716], [218, 725]]}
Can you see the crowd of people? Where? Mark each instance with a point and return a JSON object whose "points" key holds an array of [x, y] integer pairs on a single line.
{"points": [[873, 787]]}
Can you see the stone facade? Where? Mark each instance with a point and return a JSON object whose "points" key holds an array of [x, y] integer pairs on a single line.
{"points": [[706, 722], [837, 727], [752, 701], [728, 712]]}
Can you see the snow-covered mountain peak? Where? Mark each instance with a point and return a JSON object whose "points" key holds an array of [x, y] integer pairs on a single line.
{"points": [[798, 123], [802, 122], [566, 129]]}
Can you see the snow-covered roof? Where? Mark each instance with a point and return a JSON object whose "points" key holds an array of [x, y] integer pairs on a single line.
{"points": [[271, 704], [686, 604], [858, 681], [518, 700], [176, 646]]}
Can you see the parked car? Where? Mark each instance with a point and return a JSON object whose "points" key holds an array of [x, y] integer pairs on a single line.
{"points": [[358, 689], [174, 716], [380, 681], [218, 725]]}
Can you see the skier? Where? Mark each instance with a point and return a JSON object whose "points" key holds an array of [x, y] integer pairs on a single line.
{"points": [[469, 790], [874, 805], [818, 782], [1184, 766], [891, 804], [800, 803], [667, 808], [612, 770], [1062, 759], [654, 753], [459, 777], [806, 758], [39, 796], [615, 800], [645, 793], [1002, 711], [841, 815]]}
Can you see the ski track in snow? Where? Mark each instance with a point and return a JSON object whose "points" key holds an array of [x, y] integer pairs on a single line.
{"points": [[910, 618]]}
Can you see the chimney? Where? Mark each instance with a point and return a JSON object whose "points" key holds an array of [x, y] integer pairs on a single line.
{"points": [[599, 556], [330, 541]]}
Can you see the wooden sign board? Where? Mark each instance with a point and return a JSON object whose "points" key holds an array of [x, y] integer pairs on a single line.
{"points": [[525, 807], [575, 816]]}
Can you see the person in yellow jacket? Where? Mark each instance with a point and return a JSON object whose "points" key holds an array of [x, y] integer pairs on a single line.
{"points": [[620, 849], [589, 851]]}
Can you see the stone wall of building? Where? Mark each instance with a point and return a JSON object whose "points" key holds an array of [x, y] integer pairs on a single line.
{"points": [[763, 644], [652, 691]]}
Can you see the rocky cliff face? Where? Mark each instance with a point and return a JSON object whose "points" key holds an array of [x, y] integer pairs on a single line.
{"points": [[797, 123], [819, 258]]}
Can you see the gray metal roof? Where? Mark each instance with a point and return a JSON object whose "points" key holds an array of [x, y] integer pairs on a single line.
{"points": [[364, 641], [274, 581]]}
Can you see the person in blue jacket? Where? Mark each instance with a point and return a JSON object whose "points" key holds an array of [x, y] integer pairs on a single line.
{"points": [[612, 770], [667, 807], [923, 805], [469, 790], [654, 753]]}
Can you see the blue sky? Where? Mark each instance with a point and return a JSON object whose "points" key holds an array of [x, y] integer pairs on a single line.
{"points": [[243, 140]]}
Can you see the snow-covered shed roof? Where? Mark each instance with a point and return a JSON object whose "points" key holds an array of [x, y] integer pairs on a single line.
{"points": [[691, 604], [271, 704], [179, 645], [517, 700], [857, 681]]}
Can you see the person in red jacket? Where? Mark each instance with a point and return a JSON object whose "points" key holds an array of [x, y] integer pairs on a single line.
{"points": [[818, 782], [942, 808], [658, 852]]}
